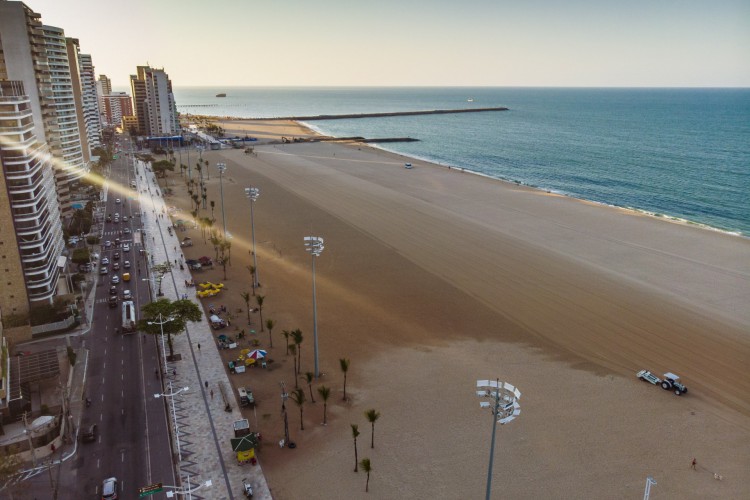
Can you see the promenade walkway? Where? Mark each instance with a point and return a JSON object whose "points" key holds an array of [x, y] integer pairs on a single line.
{"points": [[203, 429]]}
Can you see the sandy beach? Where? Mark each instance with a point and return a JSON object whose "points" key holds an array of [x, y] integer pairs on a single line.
{"points": [[433, 278]]}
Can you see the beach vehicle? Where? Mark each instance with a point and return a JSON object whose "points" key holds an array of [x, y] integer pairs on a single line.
{"points": [[408, 165], [671, 382], [246, 396]]}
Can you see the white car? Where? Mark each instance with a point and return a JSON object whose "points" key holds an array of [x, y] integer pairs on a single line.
{"points": [[107, 244], [105, 261], [115, 279], [126, 295], [126, 264], [125, 247], [117, 200]]}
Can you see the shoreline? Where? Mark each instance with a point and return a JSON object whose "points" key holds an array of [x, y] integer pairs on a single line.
{"points": [[315, 131]]}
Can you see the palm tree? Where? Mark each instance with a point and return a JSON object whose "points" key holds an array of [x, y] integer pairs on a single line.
{"points": [[372, 416], [246, 297], [325, 393], [344, 363], [252, 275], [297, 338], [298, 396], [309, 376], [270, 324], [286, 334], [355, 434], [365, 463], [293, 350], [259, 299]]}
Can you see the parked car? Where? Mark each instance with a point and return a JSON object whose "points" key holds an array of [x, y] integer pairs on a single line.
{"points": [[84, 268], [89, 433], [105, 261]]}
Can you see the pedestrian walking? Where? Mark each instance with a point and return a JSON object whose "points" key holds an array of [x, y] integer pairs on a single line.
{"points": [[212, 393], [174, 373], [206, 383], [199, 348], [692, 464]]}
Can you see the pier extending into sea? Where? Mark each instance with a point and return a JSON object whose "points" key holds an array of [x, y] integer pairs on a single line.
{"points": [[391, 113]]}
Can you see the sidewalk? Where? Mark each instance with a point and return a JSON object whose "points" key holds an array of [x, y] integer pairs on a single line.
{"points": [[204, 427]]}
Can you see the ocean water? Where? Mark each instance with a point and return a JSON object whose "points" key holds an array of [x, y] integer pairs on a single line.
{"points": [[682, 153]]}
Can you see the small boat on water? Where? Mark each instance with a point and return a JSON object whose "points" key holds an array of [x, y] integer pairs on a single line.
{"points": [[221, 95], [470, 99]]}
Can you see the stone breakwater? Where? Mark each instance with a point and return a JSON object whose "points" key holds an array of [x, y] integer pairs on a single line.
{"points": [[392, 113]]}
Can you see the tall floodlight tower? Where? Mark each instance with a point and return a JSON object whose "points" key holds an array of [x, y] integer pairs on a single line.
{"points": [[314, 245], [504, 407]]}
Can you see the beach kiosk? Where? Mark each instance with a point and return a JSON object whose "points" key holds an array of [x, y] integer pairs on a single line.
{"points": [[244, 442]]}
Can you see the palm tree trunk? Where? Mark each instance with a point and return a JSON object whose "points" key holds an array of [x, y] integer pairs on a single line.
{"points": [[301, 422], [344, 386], [325, 413], [367, 484], [372, 438], [356, 462]]}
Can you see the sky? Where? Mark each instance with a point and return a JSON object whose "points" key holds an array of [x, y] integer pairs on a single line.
{"points": [[538, 43]]}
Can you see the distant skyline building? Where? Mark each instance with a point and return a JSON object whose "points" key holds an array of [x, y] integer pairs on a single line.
{"points": [[116, 106], [153, 102]]}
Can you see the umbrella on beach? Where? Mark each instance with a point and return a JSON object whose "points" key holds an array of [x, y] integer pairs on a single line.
{"points": [[257, 354]]}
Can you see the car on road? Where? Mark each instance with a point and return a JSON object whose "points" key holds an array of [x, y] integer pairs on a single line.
{"points": [[89, 433], [115, 279], [124, 218], [113, 299], [84, 268], [109, 489], [109, 217], [107, 244], [105, 261], [113, 290], [116, 266], [104, 270], [126, 230], [125, 247], [126, 264], [126, 295], [116, 255], [117, 201]]}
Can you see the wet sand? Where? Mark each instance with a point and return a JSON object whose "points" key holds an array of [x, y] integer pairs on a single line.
{"points": [[433, 278]]}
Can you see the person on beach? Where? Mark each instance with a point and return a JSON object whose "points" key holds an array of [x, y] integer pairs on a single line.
{"points": [[692, 464]]}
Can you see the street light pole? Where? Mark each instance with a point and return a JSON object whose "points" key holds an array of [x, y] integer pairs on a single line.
{"points": [[314, 245], [504, 409], [252, 194], [222, 168]]}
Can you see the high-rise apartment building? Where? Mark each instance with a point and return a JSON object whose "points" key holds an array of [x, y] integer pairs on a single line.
{"points": [[153, 102], [116, 106], [73, 53], [37, 56], [90, 101], [103, 87], [31, 239]]}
